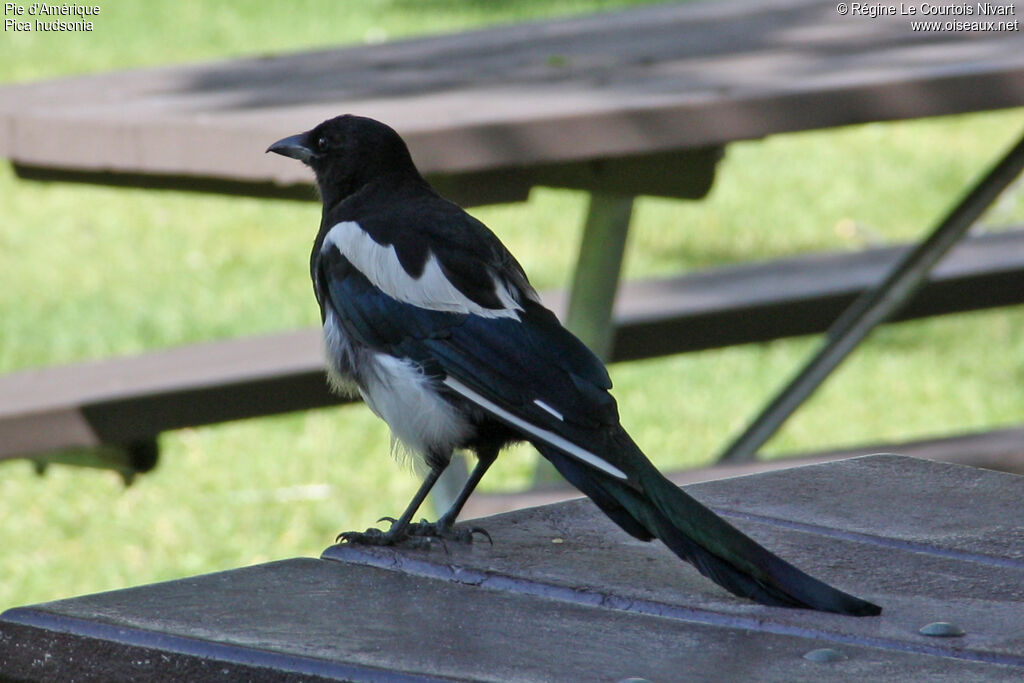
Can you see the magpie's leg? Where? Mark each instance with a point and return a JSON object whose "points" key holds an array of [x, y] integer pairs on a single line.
{"points": [[443, 527], [400, 527], [484, 462]]}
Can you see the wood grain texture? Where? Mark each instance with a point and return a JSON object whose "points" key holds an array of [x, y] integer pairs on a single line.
{"points": [[649, 80], [562, 595]]}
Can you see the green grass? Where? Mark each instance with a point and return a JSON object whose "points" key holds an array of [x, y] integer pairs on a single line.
{"points": [[90, 272]]}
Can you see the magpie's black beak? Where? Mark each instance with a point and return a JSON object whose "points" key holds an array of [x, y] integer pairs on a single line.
{"points": [[294, 146]]}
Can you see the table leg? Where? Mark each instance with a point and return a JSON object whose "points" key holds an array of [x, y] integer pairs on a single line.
{"points": [[876, 305]]}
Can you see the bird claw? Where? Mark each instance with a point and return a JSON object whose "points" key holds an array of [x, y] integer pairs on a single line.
{"points": [[369, 537], [372, 536], [482, 532]]}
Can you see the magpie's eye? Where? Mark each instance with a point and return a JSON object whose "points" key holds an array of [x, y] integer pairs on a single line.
{"points": [[322, 143]]}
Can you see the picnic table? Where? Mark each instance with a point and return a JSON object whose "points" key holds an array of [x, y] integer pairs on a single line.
{"points": [[620, 104], [562, 594]]}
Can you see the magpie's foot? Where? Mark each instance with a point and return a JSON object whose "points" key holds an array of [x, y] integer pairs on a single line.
{"points": [[394, 536], [447, 532], [416, 534]]}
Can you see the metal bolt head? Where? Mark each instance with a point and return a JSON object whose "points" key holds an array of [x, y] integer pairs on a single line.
{"points": [[825, 654], [941, 629]]}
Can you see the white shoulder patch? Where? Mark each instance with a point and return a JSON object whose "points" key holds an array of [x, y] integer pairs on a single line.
{"points": [[545, 435], [430, 290]]}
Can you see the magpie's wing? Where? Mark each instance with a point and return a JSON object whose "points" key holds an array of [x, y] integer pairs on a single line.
{"points": [[518, 363]]}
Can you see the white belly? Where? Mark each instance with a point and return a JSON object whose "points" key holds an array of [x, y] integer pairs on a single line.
{"points": [[398, 392]]}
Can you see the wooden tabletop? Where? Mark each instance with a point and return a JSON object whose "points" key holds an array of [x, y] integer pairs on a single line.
{"points": [[644, 81], [565, 595]]}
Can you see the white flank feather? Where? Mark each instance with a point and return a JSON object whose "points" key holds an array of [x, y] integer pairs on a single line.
{"points": [[398, 392]]}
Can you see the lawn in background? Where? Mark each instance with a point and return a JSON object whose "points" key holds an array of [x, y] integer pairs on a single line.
{"points": [[89, 272]]}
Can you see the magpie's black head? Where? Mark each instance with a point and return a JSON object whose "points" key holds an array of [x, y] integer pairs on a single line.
{"points": [[348, 152]]}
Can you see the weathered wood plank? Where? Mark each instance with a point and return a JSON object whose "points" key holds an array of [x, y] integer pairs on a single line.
{"points": [[564, 595], [1001, 450], [881, 526], [786, 297], [119, 400], [646, 81]]}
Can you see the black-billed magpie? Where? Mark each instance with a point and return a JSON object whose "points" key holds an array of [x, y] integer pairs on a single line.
{"points": [[430, 319]]}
